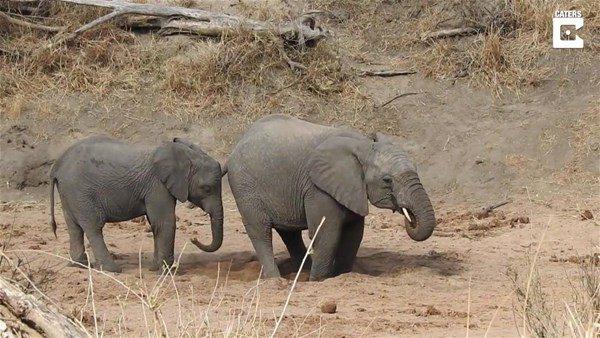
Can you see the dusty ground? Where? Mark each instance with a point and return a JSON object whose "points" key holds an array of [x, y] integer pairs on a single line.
{"points": [[398, 287], [537, 147]]}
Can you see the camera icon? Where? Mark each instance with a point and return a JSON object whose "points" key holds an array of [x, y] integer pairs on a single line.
{"points": [[564, 29]]}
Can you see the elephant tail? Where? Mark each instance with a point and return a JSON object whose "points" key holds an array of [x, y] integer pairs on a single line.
{"points": [[224, 169], [52, 221]]}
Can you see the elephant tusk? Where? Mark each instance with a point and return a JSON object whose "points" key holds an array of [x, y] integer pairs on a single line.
{"points": [[406, 214]]}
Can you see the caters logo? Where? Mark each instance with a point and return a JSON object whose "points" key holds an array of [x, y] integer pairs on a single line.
{"points": [[564, 29]]}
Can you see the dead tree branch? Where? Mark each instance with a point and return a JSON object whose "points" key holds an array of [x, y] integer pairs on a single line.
{"points": [[195, 21], [30, 311], [397, 97], [27, 24], [386, 73], [485, 212]]}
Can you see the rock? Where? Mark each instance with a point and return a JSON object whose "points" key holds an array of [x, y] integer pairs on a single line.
{"points": [[586, 214], [329, 307], [524, 219]]}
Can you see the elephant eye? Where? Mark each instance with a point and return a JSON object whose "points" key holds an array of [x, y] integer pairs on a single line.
{"points": [[387, 179]]}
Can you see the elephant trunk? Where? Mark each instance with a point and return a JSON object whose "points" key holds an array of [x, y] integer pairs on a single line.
{"points": [[216, 225], [420, 217]]}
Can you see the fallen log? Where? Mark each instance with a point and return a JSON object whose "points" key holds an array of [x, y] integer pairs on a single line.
{"points": [[39, 317], [195, 21]]}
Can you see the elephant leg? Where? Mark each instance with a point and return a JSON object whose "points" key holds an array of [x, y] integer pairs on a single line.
{"points": [[262, 241], [258, 227], [352, 234], [93, 231], [161, 215], [76, 244], [325, 245], [295, 246], [155, 266]]}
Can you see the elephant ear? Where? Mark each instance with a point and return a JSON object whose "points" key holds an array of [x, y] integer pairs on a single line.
{"points": [[173, 165], [336, 169]]}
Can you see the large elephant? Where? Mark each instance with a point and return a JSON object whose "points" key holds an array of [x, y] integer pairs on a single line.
{"points": [[101, 180], [287, 174]]}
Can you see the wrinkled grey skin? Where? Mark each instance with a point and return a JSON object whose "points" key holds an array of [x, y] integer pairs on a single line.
{"points": [[288, 174], [101, 180]]}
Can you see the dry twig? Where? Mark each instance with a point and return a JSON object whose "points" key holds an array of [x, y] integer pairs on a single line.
{"points": [[386, 72], [397, 97], [485, 212], [447, 33], [27, 24]]}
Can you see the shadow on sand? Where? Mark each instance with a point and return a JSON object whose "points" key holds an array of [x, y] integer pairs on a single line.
{"points": [[244, 265]]}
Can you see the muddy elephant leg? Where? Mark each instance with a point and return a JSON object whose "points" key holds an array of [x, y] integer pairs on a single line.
{"points": [[76, 244], [352, 234], [295, 246], [317, 206], [161, 215], [93, 231]]}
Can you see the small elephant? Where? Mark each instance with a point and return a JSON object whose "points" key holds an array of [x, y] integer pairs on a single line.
{"points": [[287, 174], [101, 180]]}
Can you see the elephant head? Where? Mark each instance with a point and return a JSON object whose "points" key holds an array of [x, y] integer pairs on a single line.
{"points": [[356, 169], [191, 175]]}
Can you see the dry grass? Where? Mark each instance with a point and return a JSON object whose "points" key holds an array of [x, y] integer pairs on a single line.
{"points": [[541, 311], [241, 76], [509, 53], [142, 301]]}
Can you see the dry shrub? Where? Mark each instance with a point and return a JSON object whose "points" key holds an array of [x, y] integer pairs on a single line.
{"points": [[509, 52], [246, 66], [534, 306], [583, 312], [216, 66], [492, 61], [180, 73], [541, 316]]}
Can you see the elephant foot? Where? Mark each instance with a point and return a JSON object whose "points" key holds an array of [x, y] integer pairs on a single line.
{"points": [[163, 268], [110, 267], [79, 262]]}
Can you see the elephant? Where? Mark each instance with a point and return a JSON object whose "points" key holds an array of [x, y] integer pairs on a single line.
{"points": [[286, 173], [100, 179]]}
